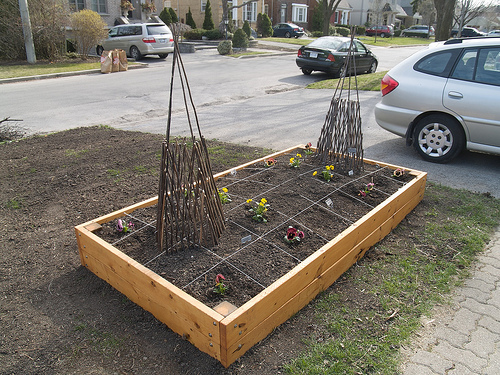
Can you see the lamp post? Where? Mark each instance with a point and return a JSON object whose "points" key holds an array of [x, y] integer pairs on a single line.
{"points": [[226, 22]]}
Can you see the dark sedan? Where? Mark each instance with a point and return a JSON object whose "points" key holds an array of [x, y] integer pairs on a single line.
{"points": [[328, 54], [288, 30]]}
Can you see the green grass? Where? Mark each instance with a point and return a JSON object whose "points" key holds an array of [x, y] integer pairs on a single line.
{"points": [[13, 71], [366, 82], [365, 321], [299, 42], [382, 42], [250, 53]]}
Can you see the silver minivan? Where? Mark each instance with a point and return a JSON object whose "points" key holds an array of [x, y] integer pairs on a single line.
{"points": [[139, 39], [445, 99]]}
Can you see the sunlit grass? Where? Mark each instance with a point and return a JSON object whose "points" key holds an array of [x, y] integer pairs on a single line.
{"points": [[365, 82]]}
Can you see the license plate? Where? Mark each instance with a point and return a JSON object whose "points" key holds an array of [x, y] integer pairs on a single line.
{"points": [[313, 55], [162, 40]]}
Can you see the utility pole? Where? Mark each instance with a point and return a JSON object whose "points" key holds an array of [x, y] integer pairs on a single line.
{"points": [[28, 35]]}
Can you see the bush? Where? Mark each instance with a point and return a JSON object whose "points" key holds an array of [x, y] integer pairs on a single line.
{"points": [[165, 16], [173, 15], [89, 29], [240, 39], [332, 30], [190, 20], [397, 33], [360, 30], [213, 34], [195, 34], [266, 26], [225, 47], [246, 29], [344, 31], [208, 23], [317, 34]]}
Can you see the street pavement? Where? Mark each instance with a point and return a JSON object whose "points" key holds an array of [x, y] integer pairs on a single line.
{"points": [[460, 339]]}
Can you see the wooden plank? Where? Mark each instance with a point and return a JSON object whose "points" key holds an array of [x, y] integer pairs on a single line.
{"points": [[272, 298], [177, 309], [265, 326]]}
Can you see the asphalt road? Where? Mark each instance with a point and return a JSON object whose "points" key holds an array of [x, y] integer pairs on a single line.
{"points": [[259, 102]]}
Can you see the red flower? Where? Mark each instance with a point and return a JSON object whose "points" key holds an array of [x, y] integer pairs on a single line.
{"points": [[301, 234], [219, 277], [291, 233]]}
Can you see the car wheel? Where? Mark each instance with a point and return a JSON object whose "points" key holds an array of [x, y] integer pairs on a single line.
{"points": [[342, 71], [373, 67], [382, 35], [287, 34], [403, 35], [438, 138], [99, 50], [135, 53], [306, 71], [163, 55]]}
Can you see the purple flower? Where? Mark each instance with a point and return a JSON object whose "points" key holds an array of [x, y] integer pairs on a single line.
{"points": [[119, 226], [301, 234]]}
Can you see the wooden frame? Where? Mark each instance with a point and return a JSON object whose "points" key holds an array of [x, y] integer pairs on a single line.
{"points": [[226, 336]]}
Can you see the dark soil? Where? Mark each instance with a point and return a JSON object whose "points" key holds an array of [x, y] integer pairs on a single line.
{"points": [[251, 255], [59, 318]]}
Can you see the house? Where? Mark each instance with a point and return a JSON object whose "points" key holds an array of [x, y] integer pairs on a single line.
{"points": [[383, 12]]}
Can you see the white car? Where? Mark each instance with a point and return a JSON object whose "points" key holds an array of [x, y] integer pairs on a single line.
{"points": [[139, 39], [445, 99], [494, 33]]}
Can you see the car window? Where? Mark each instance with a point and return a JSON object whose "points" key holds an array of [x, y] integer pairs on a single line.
{"points": [[158, 29], [113, 32], [361, 48], [464, 68], [439, 63], [488, 66], [329, 43]]}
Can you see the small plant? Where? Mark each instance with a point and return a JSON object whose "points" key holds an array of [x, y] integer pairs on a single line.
{"points": [[327, 173], [399, 172], [295, 161], [293, 235], [225, 47], [220, 287], [269, 162], [224, 196], [259, 210], [123, 226], [367, 190], [308, 150], [240, 39], [126, 5], [148, 7]]}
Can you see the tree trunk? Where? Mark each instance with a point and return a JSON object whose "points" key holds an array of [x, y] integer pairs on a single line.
{"points": [[444, 18]]}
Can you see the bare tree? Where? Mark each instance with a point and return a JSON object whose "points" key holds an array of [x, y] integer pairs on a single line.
{"points": [[466, 11], [329, 8]]}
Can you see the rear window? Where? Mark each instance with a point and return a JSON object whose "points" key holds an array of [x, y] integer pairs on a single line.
{"points": [[158, 30], [329, 43], [439, 63]]}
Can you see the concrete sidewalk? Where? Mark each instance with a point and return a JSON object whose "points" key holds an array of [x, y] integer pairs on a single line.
{"points": [[465, 339]]}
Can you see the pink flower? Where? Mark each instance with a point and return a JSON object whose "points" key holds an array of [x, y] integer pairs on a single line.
{"points": [[291, 233], [301, 234], [219, 277], [119, 225], [362, 193]]}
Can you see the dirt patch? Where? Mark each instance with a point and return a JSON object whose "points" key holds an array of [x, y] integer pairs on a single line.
{"points": [[57, 317]]}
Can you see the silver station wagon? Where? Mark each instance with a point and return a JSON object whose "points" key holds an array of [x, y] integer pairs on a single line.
{"points": [[139, 39], [445, 99]]}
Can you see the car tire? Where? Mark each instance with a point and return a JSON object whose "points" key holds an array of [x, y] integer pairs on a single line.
{"points": [[403, 35], [382, 35], [373, 67], [135, 53], [306, 71], [438, 138], [342, 71], [163, 55], [99, 50], [288, 35]]}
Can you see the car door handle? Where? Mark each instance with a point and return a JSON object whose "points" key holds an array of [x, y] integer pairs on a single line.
{"points": [[455, 95]]}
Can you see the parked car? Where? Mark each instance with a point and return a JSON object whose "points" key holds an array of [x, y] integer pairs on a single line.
{"points": [[494, 33], [328, 54], [382, 31], [444, 99], [422, 31], [467, 32], [288, 30], [139, 39]]}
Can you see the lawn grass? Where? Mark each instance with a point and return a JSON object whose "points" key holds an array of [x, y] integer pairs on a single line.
{"points": [[376, 306], [365, 82], [382, 42], [26, 70]]}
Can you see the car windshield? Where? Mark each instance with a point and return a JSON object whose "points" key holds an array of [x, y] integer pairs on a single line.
{"points": [[158, 30], [329, 43]]}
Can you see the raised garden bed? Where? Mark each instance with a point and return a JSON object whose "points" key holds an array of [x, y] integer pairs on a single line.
{"points": [[269, 280]]}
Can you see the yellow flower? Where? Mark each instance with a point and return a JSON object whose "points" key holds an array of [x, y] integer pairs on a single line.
{"points": [[263, 200], [332, 167], [291, 160], [261, 204], [225, 190], [315, 173], [249, 200], [299, 155]]}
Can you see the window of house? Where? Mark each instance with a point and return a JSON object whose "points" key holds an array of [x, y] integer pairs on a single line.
{"points": [[203, 6], [250, 12], [299, 13], [76, 5], [99, 6]]}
